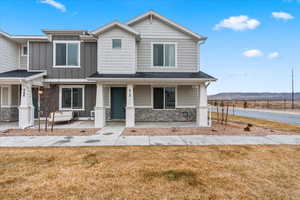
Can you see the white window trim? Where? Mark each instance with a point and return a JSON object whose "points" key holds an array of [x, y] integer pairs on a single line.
{"points": [[112, 43], [9, 96], [163, 67], [54, 53], [22, 50], [165, 86], [72, 86]]}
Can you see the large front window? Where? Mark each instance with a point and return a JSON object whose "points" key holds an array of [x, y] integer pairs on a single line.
{"points": [[66, 54], [72, 97], [164, 55], [164, 98]]}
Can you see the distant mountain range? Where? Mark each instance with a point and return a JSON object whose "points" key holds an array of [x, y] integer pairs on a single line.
{"points": [[253, 96]]}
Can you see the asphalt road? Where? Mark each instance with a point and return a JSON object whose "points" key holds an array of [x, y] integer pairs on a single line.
{"points": [[267, 115]]}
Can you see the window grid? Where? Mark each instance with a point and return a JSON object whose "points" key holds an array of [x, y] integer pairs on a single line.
{"points": [[164, 98]]}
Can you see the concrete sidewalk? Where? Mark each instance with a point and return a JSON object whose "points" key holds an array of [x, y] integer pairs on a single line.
{"points": [[118, 140]]}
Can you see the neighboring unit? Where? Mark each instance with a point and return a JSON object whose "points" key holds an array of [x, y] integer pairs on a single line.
{"points": [[147, 69]]}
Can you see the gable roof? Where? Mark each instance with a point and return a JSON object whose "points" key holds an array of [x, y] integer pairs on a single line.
{"points": [[113, 24], [167, 21]]}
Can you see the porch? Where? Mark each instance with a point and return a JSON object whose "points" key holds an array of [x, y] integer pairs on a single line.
{"points": [[16, 96], [160, 104]]}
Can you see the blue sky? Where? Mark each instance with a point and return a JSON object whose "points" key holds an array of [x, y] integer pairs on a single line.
{"points": [[252, 44]]}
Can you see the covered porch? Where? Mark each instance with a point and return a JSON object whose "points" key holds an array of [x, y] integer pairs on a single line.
{"points": [[16, 96], [151, 99]]}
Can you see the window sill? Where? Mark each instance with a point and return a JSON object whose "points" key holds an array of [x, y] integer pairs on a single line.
{"points": [[70, 109], [164, 109], [66, 67], [163, 67]]}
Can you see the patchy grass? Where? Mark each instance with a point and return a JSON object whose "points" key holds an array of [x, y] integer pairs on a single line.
{"points": [[185, 172], [279, 126]]}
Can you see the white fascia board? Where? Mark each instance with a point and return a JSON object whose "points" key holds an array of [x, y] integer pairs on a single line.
{"points": [[112, 24], [168, 21], [48, 80], [174, 80]]}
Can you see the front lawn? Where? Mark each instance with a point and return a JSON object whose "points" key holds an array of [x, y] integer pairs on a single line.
{"points": [[185, 172]]}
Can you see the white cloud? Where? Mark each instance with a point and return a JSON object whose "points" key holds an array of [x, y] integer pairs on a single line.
{"points": [[282, 15], [238, 23], [55, 4], [273, 55], [253, 53]]}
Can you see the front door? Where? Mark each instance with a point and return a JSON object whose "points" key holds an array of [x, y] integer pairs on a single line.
{"points": [[35, 102], [118, 102]]}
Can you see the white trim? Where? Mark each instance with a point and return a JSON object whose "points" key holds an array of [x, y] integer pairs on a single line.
{"points": [[70, 80], [71, 86], [163, 43], [151, 13], [112, 44], [66, 42], [22, 50], [28, 55], [163, 86], [112, 24]]}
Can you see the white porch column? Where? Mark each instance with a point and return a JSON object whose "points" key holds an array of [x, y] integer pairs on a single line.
{"points": [[99, 108], [26, 108], [202, 108], [130, 112]]}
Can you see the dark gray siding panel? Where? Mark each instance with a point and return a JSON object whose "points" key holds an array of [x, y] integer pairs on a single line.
{"points": [[41, 58], [65, 37]]}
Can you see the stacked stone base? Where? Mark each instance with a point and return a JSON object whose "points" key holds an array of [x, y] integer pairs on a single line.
{"points": [[9, 114], [152, 115]]}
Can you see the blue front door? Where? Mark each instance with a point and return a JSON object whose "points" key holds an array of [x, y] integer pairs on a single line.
{"points": [[118, 102]]}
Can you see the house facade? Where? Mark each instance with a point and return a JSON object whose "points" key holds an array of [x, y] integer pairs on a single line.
{"points": [[146, 69]]}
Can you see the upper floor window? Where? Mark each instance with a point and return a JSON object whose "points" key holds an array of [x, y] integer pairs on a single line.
{"points": [[24, 50], [164, 54], [116, 43], [66, 54]]}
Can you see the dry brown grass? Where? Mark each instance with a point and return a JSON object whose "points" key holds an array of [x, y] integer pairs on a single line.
{"points": [[186, 172], [279, 126], [231, 128]]}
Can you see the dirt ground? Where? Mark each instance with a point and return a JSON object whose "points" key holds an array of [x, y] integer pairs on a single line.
{"points": [[217, 129], [186, 172], [56, 132]]}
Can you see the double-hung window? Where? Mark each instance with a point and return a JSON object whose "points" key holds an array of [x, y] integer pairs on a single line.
{"points": [[66, 54], [164, 98], [164, 54], [71, 97]]}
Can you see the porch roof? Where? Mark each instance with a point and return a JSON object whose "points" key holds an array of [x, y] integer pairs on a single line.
{"points": [[156, 75], [18, 75]]}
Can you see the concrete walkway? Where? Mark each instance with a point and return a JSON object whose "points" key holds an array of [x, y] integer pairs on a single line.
{"points": [[117, 140]]}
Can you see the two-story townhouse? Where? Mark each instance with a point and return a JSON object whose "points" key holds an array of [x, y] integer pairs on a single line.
{"points": [[147, 69]]}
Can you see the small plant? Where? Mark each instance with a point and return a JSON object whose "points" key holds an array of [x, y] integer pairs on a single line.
{"points": [[245, 104]]}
